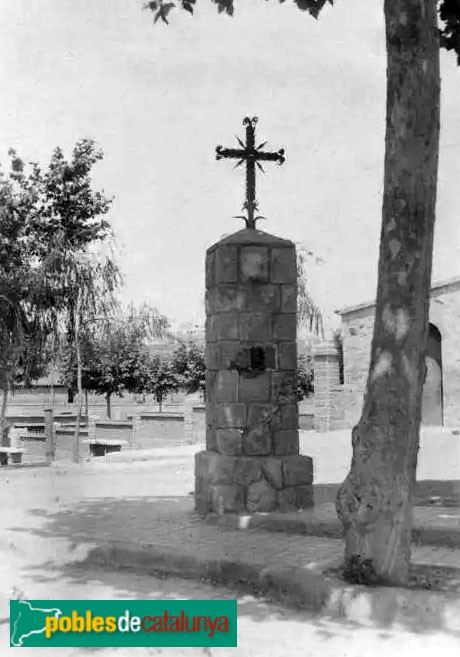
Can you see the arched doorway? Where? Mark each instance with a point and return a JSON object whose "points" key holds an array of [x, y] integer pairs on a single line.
{"points": [[432, 404]]}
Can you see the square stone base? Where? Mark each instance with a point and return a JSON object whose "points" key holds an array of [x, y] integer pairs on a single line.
{"points": [[252, 484]]}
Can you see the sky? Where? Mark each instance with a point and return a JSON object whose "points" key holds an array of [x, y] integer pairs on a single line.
{"points": [[159, 99]]}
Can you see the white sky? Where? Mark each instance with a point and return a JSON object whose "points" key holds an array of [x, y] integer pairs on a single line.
{"points": [[159, 99]]}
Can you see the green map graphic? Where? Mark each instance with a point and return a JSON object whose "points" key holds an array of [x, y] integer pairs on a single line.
{"points": [[29, 621]]}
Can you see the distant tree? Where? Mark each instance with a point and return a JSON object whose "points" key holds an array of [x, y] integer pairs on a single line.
{"points": [[158, 378], [115, 351], [188, 363]]}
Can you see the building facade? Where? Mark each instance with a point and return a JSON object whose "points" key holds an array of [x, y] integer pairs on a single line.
{"points": [[339, 405]]}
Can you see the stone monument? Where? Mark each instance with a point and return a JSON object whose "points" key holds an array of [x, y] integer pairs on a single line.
{"points": [[251, 462]]}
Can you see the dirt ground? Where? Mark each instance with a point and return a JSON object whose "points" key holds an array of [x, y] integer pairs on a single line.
{"points": [[36, 566]]}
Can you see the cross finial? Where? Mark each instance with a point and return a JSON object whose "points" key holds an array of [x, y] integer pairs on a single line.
{"points": [[252, 155]]}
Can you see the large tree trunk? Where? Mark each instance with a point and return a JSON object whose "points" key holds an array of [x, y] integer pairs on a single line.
{"points": [[375, 501]]}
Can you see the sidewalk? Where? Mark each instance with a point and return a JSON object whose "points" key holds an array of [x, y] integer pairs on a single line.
{"points": [[437, 526], [138, 515], [164, 537]]}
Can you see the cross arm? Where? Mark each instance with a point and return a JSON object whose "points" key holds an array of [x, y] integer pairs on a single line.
{"points": [[273, 157], [230, 152]]}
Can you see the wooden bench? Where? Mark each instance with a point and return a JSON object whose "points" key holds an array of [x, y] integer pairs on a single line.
{"points": [[13, 454], [100, 447]]}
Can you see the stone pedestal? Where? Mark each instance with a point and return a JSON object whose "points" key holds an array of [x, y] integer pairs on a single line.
{"points": [[252, 460]]}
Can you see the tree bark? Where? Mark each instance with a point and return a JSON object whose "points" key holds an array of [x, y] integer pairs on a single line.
{"points": [[107, 401], [374, 503]]}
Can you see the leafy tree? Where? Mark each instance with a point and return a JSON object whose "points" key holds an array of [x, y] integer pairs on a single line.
{"points": [[374, 503], [188, 363], [58, 220], [24, 323], [305, 376]]}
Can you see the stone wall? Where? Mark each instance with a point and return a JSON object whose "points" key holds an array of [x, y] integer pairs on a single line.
{"points": [[194, 420], [159, 427], [328, 402], [357, 327], [252, 457]]}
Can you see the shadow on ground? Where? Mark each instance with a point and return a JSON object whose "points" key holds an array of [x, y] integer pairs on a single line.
{"points": [[137, 519]]}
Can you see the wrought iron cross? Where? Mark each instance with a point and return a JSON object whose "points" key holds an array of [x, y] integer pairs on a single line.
{"points": [[252, 155]]}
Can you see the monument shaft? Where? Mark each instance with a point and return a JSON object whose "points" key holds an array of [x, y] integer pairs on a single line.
{"points": [[251, 462]]}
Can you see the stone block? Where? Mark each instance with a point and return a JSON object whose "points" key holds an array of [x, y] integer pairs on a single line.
{"points": [[261, 497], [211, 442], [229, 441], [290, 416], [231, 416], [271, 356], [272, 469], [259, 414], [289, 298], [262, 298], [211, 412], [227, 386], [285, 327], [225, 326], [208, 328], [202, 464], [226, 298], [258, 441], [247, 471], [214, 467], [233, 356], [202, 496], [287, 356], [254, 388], [211, 355], [254, 263], [210, 268], [295, 497], [211, 385], [284, 387], [210, 301], [226, 498], [284, 266], [226, 264], [286, 442], [256, 326], [297, 470]]}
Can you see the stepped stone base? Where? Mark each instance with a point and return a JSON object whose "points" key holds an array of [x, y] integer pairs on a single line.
{"points": [[251, 484]]}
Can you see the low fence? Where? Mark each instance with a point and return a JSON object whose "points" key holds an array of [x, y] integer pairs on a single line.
{"points": [[139, 431], [154, 428]]}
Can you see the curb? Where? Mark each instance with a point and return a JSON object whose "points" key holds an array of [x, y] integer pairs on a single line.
{"points": [[292, 586], [436, 536]]}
